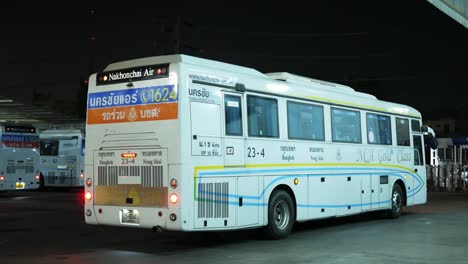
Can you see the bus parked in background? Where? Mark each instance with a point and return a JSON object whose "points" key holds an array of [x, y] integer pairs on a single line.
{"points": [[62, 158], [19, 157], [189, 144]]}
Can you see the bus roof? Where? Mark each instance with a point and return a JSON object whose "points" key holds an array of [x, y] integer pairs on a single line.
{"points": [[61, 132], [301, 84], [184, 59]]}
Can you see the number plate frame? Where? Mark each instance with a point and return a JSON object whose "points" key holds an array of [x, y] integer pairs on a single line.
{"points": [[130, 216], [20, 185]]}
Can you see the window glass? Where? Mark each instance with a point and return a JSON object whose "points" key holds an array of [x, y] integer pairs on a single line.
{"points": [[346, 125], [305, 121], [233, 115], [83, 147], [262, 117], [418, 154], [402, 129], [49, 147], [379, 129], [415, 126]]}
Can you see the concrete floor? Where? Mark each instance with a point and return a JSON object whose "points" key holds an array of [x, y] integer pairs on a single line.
{"points": [[38, 227]]}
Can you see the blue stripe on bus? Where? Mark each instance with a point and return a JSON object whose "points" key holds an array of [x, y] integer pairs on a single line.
{"points": [[393, 172], [235, 203]]}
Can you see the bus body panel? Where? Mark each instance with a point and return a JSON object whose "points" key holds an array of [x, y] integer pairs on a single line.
{"points": [[121, 183], [226, 181]]}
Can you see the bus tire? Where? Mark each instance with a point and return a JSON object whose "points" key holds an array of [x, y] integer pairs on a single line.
{"points": [[281, 215], [397, 202]]}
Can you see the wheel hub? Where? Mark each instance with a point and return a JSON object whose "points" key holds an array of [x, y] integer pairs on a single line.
{"points": [[396, 201], [281, 215]]}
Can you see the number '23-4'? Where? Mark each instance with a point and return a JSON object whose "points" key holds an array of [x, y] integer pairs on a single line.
{"points": [[252, 153]]}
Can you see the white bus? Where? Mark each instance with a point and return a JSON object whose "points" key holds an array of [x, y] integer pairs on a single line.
{"points": [[62, 158], [183, 143], [19, 157]]}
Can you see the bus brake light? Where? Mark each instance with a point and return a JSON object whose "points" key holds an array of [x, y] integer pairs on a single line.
{"points": [[128, 155], [38, 177], [2, 178], [88, 196]]}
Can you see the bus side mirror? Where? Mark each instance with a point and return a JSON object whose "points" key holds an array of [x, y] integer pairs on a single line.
{"points": [[434, 143], [424, 129]]}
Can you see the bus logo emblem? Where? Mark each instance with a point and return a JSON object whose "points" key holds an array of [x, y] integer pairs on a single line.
{"points": [[132, 115]]}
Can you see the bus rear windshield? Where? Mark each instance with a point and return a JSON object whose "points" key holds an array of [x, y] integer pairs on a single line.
{"points": [[49, 147]]}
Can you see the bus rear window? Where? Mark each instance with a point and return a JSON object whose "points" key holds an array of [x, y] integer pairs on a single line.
{"points": [[49, 147]]}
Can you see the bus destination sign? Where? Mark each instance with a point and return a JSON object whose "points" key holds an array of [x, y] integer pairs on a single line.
{"points": [[133, 74]]}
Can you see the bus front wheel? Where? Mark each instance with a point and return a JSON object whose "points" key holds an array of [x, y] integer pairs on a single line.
{"points": [[397, 202], [281, 215]]}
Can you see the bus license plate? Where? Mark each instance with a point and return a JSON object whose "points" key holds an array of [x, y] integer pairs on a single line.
{"points": [[20, 185], [130, 217]]}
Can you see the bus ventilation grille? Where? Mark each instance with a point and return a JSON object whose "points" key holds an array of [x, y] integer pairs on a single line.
{"points": [[213, 200], [151, 176], [11, 169]]}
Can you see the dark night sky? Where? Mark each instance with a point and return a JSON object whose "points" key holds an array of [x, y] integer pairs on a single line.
{"points": [[402, 51]]}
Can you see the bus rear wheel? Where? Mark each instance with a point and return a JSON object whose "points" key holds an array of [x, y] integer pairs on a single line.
{"points": [[281, 215], [397, 202]]}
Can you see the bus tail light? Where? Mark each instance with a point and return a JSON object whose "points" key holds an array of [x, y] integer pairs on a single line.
{"points": [[173, 198], [88, 196], [89, 182], [2, 178], [38, 177]]}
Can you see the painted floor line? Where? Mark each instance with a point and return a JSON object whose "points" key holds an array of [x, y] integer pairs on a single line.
{"points": [[20, 198]]}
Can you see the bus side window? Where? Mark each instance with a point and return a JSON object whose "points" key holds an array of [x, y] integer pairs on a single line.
{"points": [[346, 125], [378, 129], [233, 115], [402, 130], [305, 121], [415, 126], [262, 116]]}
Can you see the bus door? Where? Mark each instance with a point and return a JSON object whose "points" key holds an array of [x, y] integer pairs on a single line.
{"points": [[234, 140], [234, 157], [419, 182]]}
